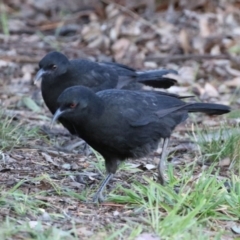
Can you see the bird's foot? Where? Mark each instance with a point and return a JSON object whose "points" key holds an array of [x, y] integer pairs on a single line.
{"points": [[98, 198], [163, 182]]}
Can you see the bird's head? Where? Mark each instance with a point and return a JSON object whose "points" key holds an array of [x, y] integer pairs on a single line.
{"points": [[74, 101], [54, 64]]}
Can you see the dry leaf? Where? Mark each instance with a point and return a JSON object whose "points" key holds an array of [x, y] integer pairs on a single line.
{"points": [[236, 229], [187, 75], [115, 31], [233, 83], [232, 71], [150, 166], [184, 41], [224, 162], [29, 103], [33, 224], [120, 47], [48, 158], [204, 26], [152, 65], [210, 90]]}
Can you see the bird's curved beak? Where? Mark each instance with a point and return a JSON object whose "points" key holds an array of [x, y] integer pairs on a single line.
{"points": [[39, 76], [57, 114]]}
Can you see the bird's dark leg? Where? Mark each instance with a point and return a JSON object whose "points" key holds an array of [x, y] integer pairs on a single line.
{"points": [[161, 164], [98, 197]]}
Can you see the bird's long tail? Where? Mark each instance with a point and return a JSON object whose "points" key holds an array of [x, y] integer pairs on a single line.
{"points": [[157, 78], [208, 108]]}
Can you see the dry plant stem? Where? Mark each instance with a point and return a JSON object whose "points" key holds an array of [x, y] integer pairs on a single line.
{"points": [[196, 57], [161, 164]]}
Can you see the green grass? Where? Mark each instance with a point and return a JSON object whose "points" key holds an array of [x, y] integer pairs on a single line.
{"points": [[216, 145], [182, 216], [14, 133], [20, 203], [201, 204], [25, 207], [27, 210], [10, 229], [4, 19]]}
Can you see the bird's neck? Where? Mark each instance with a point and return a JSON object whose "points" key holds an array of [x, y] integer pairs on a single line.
{"points": [[86, 120], [96, 107]]}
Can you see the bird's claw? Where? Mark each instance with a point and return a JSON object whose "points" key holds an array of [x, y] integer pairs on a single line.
{"points": [[98, 198]]}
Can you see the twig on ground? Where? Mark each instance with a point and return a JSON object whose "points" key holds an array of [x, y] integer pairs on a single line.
{"points": [[196, 57]]}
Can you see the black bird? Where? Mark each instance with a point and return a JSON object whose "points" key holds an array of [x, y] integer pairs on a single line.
{"points": [[58, 73], [123, 124]]}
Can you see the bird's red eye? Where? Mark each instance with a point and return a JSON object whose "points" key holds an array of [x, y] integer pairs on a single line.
{"points": [[72, 105]]}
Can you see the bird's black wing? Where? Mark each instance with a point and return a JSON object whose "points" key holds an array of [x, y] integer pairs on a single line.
{"points": [[121, 69], [129, 78], [139, 108], [93, 75], [168, 94], [126, 75]]}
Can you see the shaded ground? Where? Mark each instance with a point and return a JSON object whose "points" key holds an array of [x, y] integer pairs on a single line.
{"points": [[44, 182]]}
